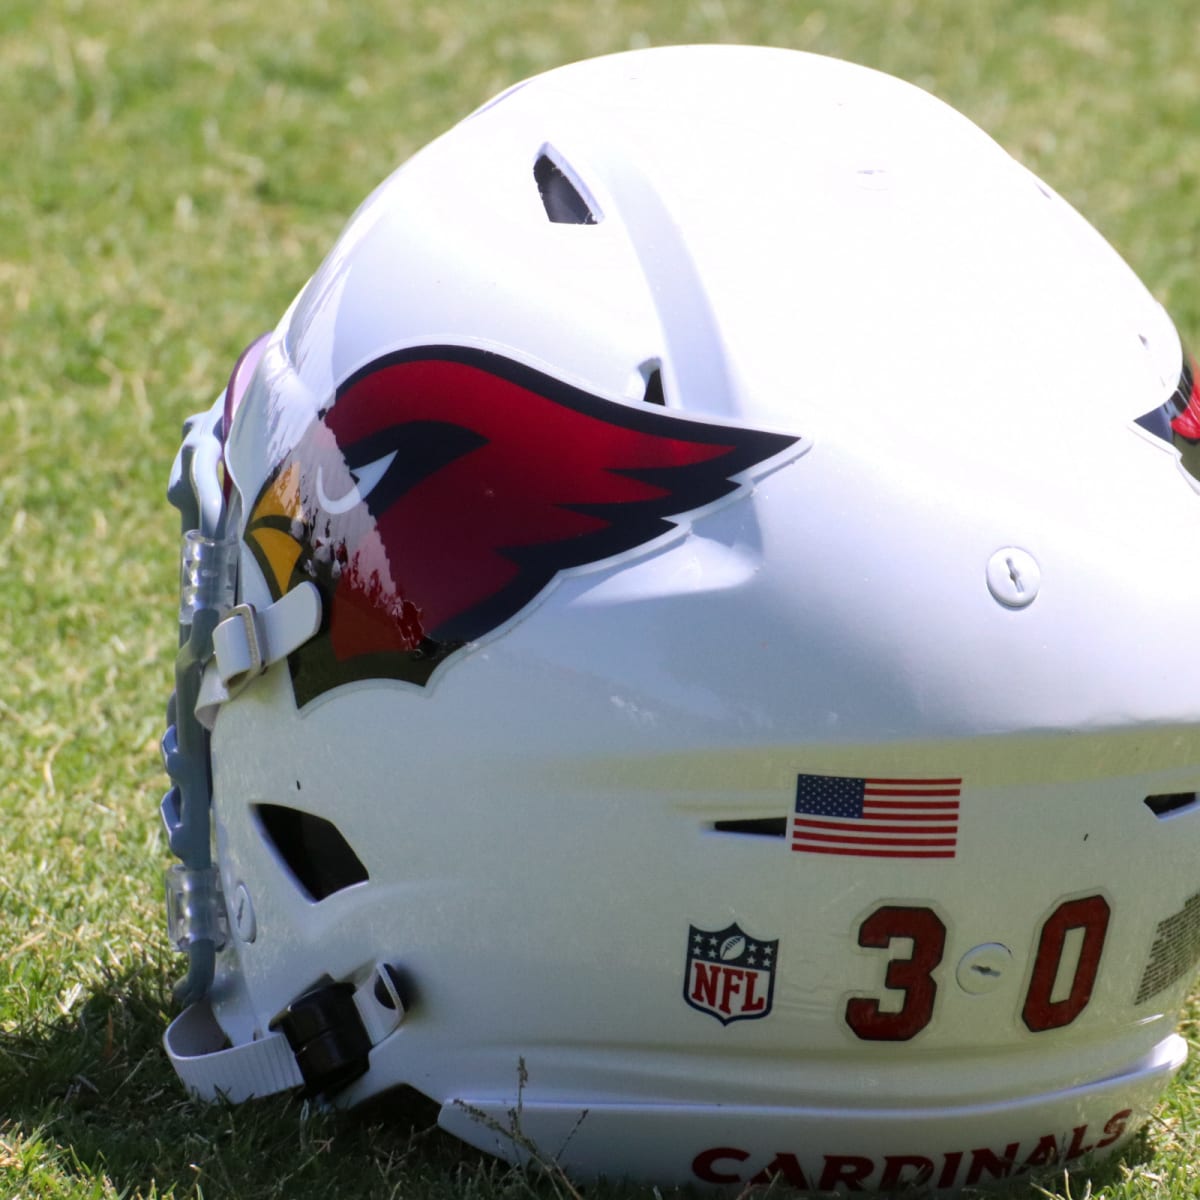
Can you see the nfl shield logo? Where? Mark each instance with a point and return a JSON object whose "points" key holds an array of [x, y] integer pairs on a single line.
{"points": [[730, 975]]}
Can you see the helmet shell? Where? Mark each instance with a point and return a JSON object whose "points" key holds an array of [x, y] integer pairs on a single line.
{"points": [[624, 841]]}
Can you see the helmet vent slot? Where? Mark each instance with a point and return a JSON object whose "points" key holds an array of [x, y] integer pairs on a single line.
{"points": [[312, 849], [654, 390], [773, 827], [1170, 803], [563, 198]]}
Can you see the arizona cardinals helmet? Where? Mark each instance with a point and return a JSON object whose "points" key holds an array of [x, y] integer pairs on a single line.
{"points": [[684, 648]]}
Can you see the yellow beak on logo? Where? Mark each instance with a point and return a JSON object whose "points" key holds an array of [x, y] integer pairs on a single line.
{"points": [[269, 529]]}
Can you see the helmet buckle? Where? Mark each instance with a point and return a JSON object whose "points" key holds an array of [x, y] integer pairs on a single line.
{"points": [[332, 1027]]}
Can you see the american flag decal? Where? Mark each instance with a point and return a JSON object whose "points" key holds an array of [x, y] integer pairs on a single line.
{"points": [[875, 818]]}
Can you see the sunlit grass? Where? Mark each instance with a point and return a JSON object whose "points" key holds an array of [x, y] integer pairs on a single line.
{"points": [[172, 172]]}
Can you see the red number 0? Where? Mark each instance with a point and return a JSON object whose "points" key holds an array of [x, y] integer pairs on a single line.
{"points": [[913, 975], [1090, 914]]}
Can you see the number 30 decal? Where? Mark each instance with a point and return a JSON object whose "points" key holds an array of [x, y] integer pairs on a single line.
{"points": [[914, 975]]}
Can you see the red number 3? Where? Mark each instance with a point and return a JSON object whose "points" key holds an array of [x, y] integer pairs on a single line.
{"points": [[914, 975]]}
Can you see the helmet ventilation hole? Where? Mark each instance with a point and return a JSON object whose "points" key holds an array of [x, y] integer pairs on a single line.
{"points": [[773, 827], [1171, 802], [562, 197], [312, 849], [654, 389]]}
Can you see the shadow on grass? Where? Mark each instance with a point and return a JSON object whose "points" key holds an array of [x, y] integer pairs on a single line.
{"points": [[89, 1099]]}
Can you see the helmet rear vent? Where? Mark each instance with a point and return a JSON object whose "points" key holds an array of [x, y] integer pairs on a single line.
{"points": [[654, 389], [312, 849], [1170, 803], [563, 197], [773, 827]]}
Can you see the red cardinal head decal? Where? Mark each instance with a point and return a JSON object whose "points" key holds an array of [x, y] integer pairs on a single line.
{"points": [[445, 488], [1178, 420], [1186, 424]]}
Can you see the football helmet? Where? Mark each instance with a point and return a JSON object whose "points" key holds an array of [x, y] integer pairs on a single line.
{"points": [[681, 648]]}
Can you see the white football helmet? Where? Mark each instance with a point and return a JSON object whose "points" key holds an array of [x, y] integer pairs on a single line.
{"points": [[693, 627]]}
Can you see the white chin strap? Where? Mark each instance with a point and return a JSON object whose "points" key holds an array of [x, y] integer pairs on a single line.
{"points": [[210, 1069], [248, 641]]}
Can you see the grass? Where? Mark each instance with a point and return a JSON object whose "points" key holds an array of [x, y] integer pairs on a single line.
{"points": [[173, 170]]}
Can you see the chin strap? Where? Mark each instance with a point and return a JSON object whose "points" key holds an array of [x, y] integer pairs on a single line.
{"points": [[321, 1041], [248, 640], [210, 1069]]}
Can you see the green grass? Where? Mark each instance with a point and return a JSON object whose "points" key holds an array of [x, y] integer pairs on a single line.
{"points": [[172, 171]]}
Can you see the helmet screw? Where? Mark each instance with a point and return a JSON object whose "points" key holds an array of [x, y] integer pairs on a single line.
{"points": [[1013, 577], [243, 914], [983, 969]]}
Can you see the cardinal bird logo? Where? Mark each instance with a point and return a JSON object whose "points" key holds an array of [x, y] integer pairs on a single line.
{"points": [[1177, 421], [445, 488]]}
